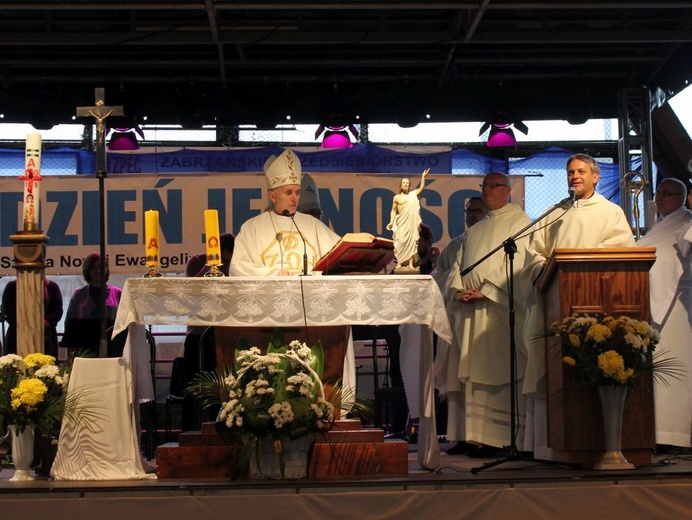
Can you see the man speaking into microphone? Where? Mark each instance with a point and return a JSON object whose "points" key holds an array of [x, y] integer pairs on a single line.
{"points": [[280, 241], [591, 221]]}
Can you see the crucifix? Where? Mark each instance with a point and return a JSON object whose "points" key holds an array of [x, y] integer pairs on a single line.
{"points": [[100, 112]]}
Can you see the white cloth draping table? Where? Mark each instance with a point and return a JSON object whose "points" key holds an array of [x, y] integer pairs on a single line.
{"points": [[311, 301], [105, 444]]}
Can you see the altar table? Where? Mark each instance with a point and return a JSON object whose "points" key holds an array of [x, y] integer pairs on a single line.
{"points": [[310, 301]]}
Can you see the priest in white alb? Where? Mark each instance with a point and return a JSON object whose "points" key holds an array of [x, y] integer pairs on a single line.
{"points": [[447, 274], [482, 325], [592, 222], [670, 282]]}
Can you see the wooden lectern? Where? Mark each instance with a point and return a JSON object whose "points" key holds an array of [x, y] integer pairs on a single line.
{"points": [[611, 281]]}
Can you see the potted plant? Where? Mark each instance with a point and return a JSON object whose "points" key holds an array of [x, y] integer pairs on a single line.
{"points": [[611, 353], [33, 400], [275, 401]]}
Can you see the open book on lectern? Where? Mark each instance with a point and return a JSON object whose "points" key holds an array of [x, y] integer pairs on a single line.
{"points": [[357, 253]]}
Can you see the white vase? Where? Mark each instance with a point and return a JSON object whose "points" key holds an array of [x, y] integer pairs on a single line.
{"points": [[612, 405], [22, 453], [295, 459]]}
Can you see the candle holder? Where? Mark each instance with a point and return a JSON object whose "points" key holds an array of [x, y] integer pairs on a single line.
{"points": [[153, 272], [214, 271]]}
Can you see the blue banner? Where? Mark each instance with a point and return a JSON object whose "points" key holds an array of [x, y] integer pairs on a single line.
{"points": [[369, 158], [359, 159], [191, 161]]}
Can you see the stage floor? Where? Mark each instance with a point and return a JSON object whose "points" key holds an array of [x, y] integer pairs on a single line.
{"points": [[517, 490], [456, 471]]}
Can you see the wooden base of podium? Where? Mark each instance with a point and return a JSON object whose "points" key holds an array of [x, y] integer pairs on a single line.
{"points": [[639, 457], [347, 450]]}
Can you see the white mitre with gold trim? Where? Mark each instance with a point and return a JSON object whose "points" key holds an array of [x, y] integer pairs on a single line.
{"points": [[282, 170]]}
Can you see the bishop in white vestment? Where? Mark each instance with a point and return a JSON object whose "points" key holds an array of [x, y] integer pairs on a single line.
{"points": [[276, 241]]}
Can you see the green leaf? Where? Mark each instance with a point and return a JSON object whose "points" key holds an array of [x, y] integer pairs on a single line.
{"points": [[276, 342], [260, 422], [301, 407], [208, 388], [244, 459], [279, 449], [318, 361]]}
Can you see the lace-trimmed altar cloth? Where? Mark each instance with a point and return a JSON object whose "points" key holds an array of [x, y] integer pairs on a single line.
{"points": [[278, 302], [266, 302]]}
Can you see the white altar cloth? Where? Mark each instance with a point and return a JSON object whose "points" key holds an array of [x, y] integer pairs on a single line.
{"points": [[311, 301]]}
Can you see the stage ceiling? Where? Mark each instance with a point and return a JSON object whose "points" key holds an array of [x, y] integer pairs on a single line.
{"points": [[253, 62]]}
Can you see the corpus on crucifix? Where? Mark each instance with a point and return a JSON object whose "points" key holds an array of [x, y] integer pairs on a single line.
{"points": [[100, 112]]}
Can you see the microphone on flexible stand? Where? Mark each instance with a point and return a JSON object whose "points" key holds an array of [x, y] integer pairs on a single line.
{"points": [[571, 199], [573, 195], [287, 213]]}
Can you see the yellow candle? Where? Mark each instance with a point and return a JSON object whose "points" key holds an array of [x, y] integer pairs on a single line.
{"points": [[211, 229], [151, 237]]}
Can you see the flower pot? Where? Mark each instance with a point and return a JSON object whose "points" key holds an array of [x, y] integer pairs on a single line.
{"points": [[22, 452], [295, 457], [612, 405]]}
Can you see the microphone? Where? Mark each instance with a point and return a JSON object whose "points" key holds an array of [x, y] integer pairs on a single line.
{"points": [[571, 199], [573, 194], [287, 213]]}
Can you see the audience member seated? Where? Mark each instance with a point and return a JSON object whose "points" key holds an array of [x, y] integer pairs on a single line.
{"points": [[52, 312], [83, 319]]}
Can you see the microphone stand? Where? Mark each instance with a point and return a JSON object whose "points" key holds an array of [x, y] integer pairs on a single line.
{"points": [[511, 453], [286, 213], [4, 339]]}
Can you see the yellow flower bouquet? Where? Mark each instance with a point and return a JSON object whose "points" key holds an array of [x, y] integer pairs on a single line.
{"points": [[608, 350], [32, 392]]}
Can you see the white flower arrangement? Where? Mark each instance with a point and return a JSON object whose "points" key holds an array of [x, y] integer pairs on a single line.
{"points": [[269, 397], [278, 393]]}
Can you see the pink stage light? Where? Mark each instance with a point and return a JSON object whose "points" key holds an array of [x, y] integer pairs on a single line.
{"points": [[124, 137], [337, 132], [501, 135], [336, 137]]}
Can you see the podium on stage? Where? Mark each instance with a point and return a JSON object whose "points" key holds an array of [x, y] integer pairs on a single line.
{"points": [[611, 281]]}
